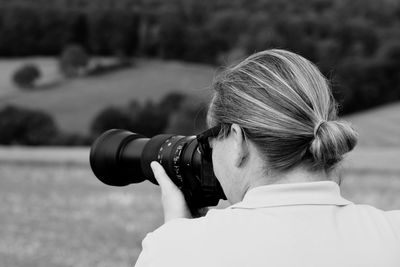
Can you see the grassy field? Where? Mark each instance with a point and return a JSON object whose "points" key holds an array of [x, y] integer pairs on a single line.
{"points": [[48, 67], [54, 212], [63, 216], [379, 126], [74, 103]]}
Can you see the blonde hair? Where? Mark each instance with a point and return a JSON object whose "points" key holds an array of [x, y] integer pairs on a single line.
{"points": [[285, 107]]}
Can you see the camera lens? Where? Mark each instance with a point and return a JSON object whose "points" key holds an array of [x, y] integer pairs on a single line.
{"points": [[113, 163], [119, 157]]}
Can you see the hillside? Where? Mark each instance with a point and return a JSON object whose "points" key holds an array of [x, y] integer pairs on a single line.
{"points": [[378, 127], [76, 102]]}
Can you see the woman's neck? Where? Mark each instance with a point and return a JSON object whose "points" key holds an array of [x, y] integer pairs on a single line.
{"points": [[296, 175]]}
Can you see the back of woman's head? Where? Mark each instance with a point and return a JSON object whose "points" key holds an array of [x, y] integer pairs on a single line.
{"points": [[285, 107]]}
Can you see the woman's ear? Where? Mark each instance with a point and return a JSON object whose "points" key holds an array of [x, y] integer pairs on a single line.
{"points": [[240, 145]]}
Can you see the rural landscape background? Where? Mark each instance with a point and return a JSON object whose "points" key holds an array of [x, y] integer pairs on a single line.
{"points": [[71, 69]]}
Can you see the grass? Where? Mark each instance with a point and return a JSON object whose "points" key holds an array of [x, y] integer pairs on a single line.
{"points": [[379, 126], [48, 67], [378, 189], [58, 214], [63, 216], [75, 103]]}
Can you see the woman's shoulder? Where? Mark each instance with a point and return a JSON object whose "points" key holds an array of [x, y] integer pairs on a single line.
{"points": [[214, 217], [214, 222], [179, 241], [373, 212]]}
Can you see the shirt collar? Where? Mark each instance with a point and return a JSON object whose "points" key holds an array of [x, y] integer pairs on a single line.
{"points": [[308, 193]]}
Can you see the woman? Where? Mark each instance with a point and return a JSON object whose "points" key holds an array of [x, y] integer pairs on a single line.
{"points": [[275, 157]]}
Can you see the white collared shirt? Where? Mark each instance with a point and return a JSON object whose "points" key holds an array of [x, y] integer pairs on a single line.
{"points": [[303, 224]]}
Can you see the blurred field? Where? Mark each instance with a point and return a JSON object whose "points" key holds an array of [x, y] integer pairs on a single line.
{"points": [[63, 216], [379, 126], [54, 212], [47, 66], [74, 103]]}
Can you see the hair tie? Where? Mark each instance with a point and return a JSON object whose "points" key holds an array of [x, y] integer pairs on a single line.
{"points": [[318, 126]]}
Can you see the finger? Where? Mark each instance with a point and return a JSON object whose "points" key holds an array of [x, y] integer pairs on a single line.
{"points": [[173, 200], [161, 176]]}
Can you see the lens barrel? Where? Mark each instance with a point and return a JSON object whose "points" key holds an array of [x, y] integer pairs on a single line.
{"points": [[115, 157], [119, 157]]}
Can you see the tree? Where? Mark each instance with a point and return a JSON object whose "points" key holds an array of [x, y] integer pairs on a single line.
{"points": [[25, 76], [79, 32], [26, 127], [171, 34], [189, 119], [171, 102], [111, 118], [150, 120], [73, 60]]}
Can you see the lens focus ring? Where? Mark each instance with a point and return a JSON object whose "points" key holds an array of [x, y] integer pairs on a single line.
{"points": [[169, 155]]}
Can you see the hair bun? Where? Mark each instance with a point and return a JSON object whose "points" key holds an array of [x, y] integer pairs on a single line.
{"points": [[332, 139]]}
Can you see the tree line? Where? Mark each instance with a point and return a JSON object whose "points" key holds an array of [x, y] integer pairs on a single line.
{"points": [[356, 43], [175, 113]]}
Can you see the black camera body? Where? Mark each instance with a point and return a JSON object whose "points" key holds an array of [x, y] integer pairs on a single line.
{"points": [[119, 157]]}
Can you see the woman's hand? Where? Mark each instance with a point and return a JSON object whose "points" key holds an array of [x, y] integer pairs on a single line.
{"points": [[172, 198]]}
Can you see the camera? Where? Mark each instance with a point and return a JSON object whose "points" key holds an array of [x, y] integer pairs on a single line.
{"points": [[119, 157]]}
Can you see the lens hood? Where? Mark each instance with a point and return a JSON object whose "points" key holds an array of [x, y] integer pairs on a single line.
{"points": [[106, 159]]}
